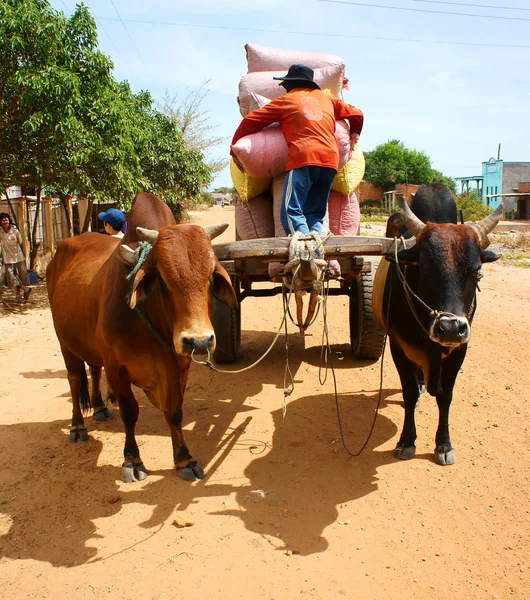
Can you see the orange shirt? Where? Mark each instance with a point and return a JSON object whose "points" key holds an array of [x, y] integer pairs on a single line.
{"points": [[307, 118]]}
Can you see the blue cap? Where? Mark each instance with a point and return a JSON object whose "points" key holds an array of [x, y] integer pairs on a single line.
{"points": [[114, 217]]}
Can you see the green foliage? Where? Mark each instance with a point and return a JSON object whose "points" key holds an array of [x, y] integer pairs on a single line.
{"points": [[473, 208], [392, 163], [225, 190], [67, 126], [449, 182]]}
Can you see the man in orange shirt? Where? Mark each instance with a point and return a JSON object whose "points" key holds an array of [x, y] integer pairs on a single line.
{"points": [[307, 117]]}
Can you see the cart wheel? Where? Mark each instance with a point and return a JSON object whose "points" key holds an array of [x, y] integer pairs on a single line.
{"points": [[366, 337], [226, 322]]}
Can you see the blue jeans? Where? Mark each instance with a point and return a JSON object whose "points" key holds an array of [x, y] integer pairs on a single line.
{"points": [[305, 199]]}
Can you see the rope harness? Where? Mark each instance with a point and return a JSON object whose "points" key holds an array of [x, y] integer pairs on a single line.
{"points": [[436, 315]]}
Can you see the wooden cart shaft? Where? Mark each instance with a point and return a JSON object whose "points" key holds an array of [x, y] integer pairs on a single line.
{"points": [[277, 249]]}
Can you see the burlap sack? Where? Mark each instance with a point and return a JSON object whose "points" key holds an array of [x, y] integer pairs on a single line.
{"points": [[248, 187], [350, 175], [262, 83], [344, 214], [254, 219], [264, 154], [261, 58]]}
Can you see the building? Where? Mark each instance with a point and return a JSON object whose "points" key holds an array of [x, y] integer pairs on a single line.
{"points": [[501, 182]]}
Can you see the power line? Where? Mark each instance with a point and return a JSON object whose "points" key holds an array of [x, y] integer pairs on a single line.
{"points": [[474, 5], [432, 12], [132, 41], [111, 40], [321, 34]]}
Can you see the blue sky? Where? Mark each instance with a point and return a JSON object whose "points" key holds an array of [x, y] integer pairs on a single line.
{"points": [[453, 86]]}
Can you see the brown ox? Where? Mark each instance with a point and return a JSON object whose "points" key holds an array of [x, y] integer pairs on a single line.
{"points": [[142, 330]]}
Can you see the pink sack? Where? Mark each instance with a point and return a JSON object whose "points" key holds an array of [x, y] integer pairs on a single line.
{"points": [[254, 218], [264, 154], [261, 58], [262, 83], [344, 214], [278, 183]]}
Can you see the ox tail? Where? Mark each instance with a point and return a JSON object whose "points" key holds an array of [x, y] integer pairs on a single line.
{"points": [[84, 394]]}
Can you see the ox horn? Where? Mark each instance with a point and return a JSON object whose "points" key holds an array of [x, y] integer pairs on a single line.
{"points": [[212, 231], [413, 224], [147, 235], [486, 225], [126, 254]]}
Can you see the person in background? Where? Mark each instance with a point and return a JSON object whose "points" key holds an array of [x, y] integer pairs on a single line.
{"points": [[307, 116], [13, 258], [114, 221]]}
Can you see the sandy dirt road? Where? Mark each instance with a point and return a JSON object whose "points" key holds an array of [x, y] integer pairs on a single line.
{"points": [[284, 512]]}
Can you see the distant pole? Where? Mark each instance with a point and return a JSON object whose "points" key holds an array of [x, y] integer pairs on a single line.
{"points": [[499, 152]]}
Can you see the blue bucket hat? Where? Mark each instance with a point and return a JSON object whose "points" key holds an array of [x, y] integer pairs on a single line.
{"points": [[115, 218]]}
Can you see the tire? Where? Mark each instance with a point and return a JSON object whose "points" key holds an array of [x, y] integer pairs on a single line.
{"points": [[366, 337], [226, 322]]}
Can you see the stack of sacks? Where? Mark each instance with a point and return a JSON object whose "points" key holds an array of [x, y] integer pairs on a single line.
{"points": [[263, 155]]}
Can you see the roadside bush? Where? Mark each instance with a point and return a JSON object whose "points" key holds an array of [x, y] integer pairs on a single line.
{"points": [[473, 208]]}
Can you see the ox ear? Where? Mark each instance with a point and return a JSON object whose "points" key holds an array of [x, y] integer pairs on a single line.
{"points": [[143, 286], [221, 287], [409, 256], [487, 256], [126, 254]]}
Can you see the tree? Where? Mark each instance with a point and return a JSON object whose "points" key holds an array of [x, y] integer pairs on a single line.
{"points": [[392, 163], [67, 127], [194, 123]]}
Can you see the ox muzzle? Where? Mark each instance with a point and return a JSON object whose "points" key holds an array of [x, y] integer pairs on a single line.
{"points": [[449, 330], [187, 342]]}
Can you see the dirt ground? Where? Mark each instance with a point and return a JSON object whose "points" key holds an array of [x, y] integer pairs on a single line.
{"points": [[284, 511]]}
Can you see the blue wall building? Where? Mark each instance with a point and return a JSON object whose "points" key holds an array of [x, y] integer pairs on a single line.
{"points": [[498, 179]]}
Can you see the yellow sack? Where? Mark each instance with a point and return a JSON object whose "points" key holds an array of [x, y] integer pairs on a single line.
{"points": [[350, 175], [248, 187]]}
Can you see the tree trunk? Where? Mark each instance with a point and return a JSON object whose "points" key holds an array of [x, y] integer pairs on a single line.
{"points": [[14, 214], [69, 223], [34, 246], [88, 215]]}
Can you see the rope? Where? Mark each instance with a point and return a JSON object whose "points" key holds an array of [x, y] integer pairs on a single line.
{"points": [[210, 364], [410, 295], [326, 350], [140, 256]]}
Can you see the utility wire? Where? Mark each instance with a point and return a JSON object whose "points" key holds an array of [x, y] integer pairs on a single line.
{"points": [[432, 12], [132, 41], [320, 34], [111, 40], [474, 5]]}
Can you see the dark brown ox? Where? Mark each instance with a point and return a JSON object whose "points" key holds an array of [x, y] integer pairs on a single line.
{"points": [[426, 302], [142, 330]]}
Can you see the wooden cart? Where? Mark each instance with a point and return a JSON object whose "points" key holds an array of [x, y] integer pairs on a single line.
{"points": [[247, 262]]}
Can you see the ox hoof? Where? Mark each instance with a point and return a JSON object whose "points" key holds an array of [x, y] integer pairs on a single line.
{"points": [[404, 452], [103, 415], [78, 434], [131, 472], [191, 472], [444, 457]]}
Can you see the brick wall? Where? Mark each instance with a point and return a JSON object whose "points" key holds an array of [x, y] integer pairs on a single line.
{"points": [[524, 187], [407, 190], [367, 191]]}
